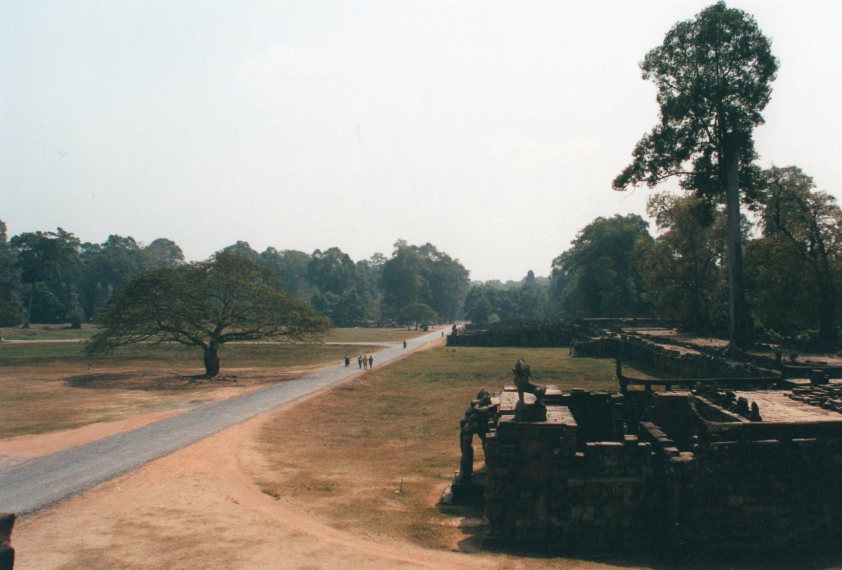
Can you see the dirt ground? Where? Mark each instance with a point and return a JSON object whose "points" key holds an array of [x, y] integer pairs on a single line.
{"points": [[196, 509]]}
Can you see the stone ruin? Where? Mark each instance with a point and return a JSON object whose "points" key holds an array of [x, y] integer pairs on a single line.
{"points": [[741, 463]]}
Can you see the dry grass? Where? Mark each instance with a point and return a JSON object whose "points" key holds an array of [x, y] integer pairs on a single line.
{"points": [[357, 334], [46, 387], [374, 454]]}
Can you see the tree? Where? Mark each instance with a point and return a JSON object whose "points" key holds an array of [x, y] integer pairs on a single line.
{"points": [[342, 287], [10, 311], [162, 252], [597, 277], [802, 222], [713, 75], [105, 267], [227, 298], [49, 264], [290, 266], [423, 275], [417, 313], [681, 269], [243, 249], [401, 278]]}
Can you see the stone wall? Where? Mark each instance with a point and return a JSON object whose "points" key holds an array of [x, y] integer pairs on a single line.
{"points": [[675, 481], [526, 334], [665, 362]]}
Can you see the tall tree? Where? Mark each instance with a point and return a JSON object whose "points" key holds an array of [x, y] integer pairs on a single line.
{"points": [[402, 281], [713, 75], [207, 304]]}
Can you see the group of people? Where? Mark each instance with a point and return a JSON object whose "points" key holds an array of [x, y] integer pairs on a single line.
{"points": [[363, 361]]}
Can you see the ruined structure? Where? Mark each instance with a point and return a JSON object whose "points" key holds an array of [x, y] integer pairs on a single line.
{"points": [[751, 463]]}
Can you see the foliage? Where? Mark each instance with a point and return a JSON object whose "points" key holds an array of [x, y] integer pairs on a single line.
{"points": [[290, 266], [713, 75], [597, 277], [490, 302], [48, 262], [798, 261], [417, 313], [107, 266], [207, 304], [162, 252], [423, 274], [341, 287], [682, 268]]}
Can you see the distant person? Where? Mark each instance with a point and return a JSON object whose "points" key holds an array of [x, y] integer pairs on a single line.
{"points": [[360, 361], [365, 363], [347, 360], [404, 344], [370, 361]]}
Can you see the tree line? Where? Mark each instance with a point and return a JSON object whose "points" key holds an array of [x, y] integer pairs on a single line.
{"points": [[53, 277], [792, 246]]}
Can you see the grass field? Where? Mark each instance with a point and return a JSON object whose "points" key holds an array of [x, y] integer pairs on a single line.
{"points": [[47, 332], [374, 454], [357, 334], [51, 386]]}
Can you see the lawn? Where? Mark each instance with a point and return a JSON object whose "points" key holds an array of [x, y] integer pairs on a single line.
{"points": [[374, 454]]}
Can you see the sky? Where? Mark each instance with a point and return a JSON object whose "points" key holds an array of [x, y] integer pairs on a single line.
{"points": [[490, 129]]}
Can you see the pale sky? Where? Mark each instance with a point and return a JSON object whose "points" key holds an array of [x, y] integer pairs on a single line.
{"points": [[490, 129]]}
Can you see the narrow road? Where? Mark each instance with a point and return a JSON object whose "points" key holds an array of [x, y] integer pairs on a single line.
{"points": [[45, 481]]}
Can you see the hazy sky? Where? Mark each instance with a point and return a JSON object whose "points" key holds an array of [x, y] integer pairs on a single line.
{"points": [[490, 129]]}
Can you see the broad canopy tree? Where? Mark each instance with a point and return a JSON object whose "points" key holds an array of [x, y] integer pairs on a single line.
{"points": [[713, 75], [207, 304], [417, 314]]}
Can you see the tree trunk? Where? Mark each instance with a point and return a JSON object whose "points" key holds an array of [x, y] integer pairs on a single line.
{"points": [[211, 360], [738, 318]]}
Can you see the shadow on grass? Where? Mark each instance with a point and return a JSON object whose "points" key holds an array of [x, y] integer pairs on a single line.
{"points": [[145, 381]]}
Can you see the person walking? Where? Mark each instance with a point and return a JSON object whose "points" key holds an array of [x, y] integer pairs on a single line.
{"points": [[404, 344], [371, 361], [360, 361]]}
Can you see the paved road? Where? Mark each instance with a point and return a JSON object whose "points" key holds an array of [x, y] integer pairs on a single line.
{"points": [[45, 481]]}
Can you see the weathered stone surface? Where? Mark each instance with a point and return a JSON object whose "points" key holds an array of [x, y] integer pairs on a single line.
{"points": [[667, 469]]}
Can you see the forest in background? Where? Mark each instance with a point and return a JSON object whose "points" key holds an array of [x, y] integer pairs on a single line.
{"points": [[792, 237]]}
